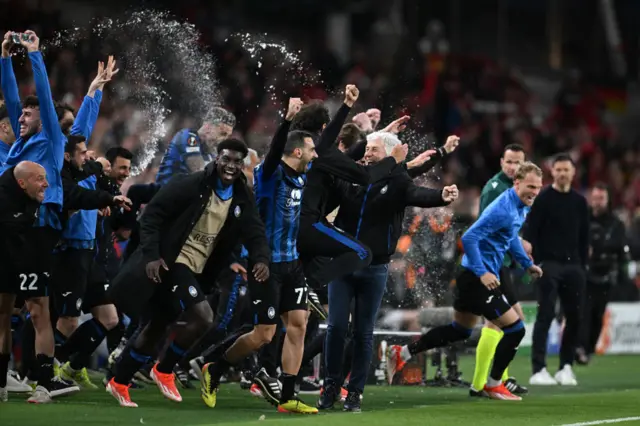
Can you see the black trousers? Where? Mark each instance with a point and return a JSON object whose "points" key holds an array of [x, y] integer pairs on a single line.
{"points": [[566, 282], [595, 305]]}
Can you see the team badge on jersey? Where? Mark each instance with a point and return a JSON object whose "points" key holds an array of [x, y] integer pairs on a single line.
{"points": [[384, 189], [271, 312], [78, 304], [192, 291], [237, 211], [192, 141]]}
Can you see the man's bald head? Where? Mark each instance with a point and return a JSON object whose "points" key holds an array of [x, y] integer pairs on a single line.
{"points": [[32, 178]]}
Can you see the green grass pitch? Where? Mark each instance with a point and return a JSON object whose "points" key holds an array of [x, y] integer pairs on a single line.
{"points": [[609, 389]]}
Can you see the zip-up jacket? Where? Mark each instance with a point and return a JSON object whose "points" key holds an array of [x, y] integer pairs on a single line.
{"points": [[374, 213], [166, 224], [22, 246]]}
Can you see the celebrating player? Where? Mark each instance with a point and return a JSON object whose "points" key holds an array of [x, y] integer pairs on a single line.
{"points": [[478, 287]]}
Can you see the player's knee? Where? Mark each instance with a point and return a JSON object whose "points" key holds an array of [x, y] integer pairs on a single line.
{"points": [[514, 332], [109, 320], [262, 334]]}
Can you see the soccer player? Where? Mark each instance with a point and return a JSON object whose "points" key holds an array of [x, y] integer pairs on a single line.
{"points": [[374, 214], [279, 183], [478, 286], [512, 157], [188, 232], [75, 262], [190, 150], [41, 141], [82, 124]]}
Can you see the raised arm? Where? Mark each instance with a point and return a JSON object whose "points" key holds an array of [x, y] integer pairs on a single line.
{"points": [[48, 115], [279, 141], [417, 169], [89, 110], [331, 132], [10, 85]]}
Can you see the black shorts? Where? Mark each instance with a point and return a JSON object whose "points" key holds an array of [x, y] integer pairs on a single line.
{"points": [[311, 267], [70, 277], [507, 286], [29, 283], [284, 291], [178, 291], [473, 297], [26, 285]]}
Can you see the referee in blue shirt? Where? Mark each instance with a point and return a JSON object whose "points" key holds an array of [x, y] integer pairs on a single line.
{"points": [[478, 287]]}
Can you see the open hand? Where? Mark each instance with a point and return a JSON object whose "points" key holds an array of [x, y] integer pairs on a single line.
{"points": [[260, 272], [239, 269], [421, 159], [397, 125], [153, 269]]}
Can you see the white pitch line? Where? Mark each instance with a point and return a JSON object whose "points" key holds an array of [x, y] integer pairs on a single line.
{"points": [[602, 422]]}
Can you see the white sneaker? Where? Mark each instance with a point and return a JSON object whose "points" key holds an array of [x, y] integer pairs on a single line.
{"points": [[14, 384], [40, 396], [542, 378], [4, 395], [565, 377]]}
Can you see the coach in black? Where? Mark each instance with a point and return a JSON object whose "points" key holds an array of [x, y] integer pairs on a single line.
{"points": [[188, 232], [373, 214], [608, 257], [558, 229]]}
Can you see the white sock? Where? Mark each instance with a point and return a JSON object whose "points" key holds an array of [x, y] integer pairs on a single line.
{"points": [[404, 353], [492, 383]]}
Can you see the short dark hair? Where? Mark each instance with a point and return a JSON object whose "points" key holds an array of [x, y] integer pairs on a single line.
{"points": [[295, 140], [350, 134], [31, 102], [311, 117], [601, 186], [72, 143], [233, 145], [562, 157], [113, 153], [61, 108], [4, 112], [219, 115], [515, 147]]}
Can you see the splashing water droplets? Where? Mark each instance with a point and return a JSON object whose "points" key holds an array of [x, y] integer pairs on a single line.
{"points": [[162, 65]]}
